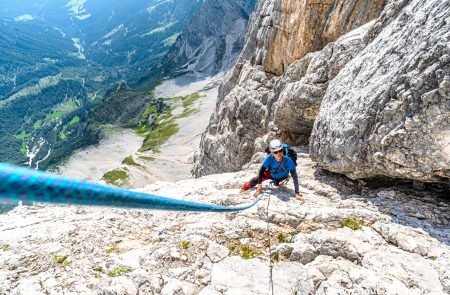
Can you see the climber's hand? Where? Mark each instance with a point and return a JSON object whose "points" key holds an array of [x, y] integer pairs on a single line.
{"points": [[299, 197], [258, 190]]}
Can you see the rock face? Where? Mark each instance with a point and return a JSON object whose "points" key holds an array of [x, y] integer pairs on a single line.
{"points": [[305, 82], [307, 26], [213, 39], [385, 85], [388, 111], [253, 102], [397, 243]]}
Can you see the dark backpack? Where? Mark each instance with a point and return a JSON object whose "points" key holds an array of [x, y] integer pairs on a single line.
{"points": [[287, 151]]}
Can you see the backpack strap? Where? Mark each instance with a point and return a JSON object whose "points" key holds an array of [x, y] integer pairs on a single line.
{"points": [[281, 165]]}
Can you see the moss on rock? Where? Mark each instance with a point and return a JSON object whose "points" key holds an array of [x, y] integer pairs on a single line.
{"points": [[130, 161], [117, 177]]}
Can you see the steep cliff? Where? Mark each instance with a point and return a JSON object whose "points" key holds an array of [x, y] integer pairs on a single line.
{"points": [[307, 26], [213, 39], [388, 111], [254, 102], [384, 86]]}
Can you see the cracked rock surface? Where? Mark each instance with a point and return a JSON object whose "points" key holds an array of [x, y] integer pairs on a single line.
{"points": [[387, 112], [372, 101], [292, 50], [344, 238]]}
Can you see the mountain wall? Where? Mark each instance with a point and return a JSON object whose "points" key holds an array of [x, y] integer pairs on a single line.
{"points": [[248, 102], [307, 26], [388, 111], [371, 88], [212, 40]]}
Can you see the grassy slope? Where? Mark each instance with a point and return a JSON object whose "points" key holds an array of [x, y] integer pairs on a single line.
{"points": [[166, 125]]}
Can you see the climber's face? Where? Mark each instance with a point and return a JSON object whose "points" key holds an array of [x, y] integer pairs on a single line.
{"points": [[277, 154]]}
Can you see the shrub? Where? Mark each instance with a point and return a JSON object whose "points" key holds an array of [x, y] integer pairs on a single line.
{"points": [[130, 161], [283, 239], [247, 252], [61, 259], [112, 249], [275, 257], [352, 223], [184, 244], [117, 177], [118, 271]]}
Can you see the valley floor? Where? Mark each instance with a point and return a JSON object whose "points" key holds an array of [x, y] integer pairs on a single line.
{"points": [[93, 162], [175, 160]]}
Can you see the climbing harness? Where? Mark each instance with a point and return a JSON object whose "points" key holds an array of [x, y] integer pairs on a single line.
{"points": [[27, 185]]}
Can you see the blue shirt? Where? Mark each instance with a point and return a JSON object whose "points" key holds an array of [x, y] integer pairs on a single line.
{"points": [[272, 165]]}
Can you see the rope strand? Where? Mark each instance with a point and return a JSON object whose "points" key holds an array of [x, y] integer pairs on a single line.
{"points": [[268, 234], [268, 238], [21, 184]]}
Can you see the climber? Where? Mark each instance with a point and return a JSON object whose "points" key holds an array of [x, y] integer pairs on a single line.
{"points": [[276, 167]]}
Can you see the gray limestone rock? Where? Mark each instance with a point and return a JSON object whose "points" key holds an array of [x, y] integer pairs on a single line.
{"points": [[303, 253], [405, 238], [396, 263], [253, 103], [239, 118], [252, 276], [125, 251], [387, 112], [326, 275], [345, 243], [216, 252], [304, 83], [179, 287], [212, 40]]}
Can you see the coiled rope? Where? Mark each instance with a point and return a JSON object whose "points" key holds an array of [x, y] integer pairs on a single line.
{"points": [[22, 184]]}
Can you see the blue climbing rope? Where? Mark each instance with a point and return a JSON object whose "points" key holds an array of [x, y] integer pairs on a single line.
{"points": [[22, 184]]}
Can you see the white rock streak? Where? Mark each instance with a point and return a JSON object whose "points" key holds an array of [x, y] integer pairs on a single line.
{"points": [[33, 150], [44, 158], [79, 47], [113, 31], [24, 18], [77, 8]]}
